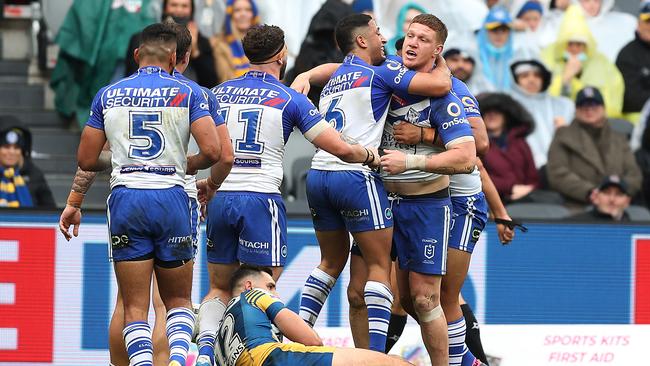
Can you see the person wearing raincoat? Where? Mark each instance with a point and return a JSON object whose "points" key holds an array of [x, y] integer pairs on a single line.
{"points": [[612, 29], [495, 48], [406, 14], [576, 63]]}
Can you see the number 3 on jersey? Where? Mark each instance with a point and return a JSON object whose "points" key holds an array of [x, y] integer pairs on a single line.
{"points": [[250, 144], [334, 115], [146, 126]]}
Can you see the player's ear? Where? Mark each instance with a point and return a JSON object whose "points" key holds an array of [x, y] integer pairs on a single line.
{"points": [[438, 50], [172, 61], [186, 59], [361, 42], [248, 285], [136, 55]]}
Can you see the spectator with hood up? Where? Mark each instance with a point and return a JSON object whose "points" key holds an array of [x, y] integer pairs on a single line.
{"points": [[528, 27], [588, 150], [509, 160], [496, 50], [634, 63], [404, 18], [612, 29], [576, 62], [463, 66], [532, 80]]}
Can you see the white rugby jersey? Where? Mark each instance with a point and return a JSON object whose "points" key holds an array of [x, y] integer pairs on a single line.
{"points": [[355, 102], [260, 113], [146, 118]]}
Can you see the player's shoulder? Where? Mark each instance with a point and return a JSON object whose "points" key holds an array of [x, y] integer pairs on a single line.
{"points": [[459, 87], [449, 103]]}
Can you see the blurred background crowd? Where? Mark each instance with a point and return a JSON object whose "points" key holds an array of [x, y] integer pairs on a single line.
{"points": [[563, 86]]}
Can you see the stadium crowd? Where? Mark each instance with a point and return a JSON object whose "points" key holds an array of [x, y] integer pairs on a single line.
{"points": [[409, 163]]}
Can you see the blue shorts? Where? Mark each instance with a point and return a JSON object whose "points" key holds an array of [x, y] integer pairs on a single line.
{"points": [[195, 214], [421, 233], [469, 215], [347, 199], [150, 223], [247, 227]]}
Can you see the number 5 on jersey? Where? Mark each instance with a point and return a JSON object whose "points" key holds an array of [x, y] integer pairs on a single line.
{"points": [[146, 126]]}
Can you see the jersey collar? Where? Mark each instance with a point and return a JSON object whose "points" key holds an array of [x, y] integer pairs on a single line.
{"points": [[150, 70], [260, 75]]}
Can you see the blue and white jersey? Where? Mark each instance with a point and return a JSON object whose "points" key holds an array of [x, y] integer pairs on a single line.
{"points": [[355, 101], [213, 106], [260, 113], [465, 184], [146, 118]]}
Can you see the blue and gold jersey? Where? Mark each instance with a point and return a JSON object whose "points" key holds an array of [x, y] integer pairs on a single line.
{"points": [[246, 325]]}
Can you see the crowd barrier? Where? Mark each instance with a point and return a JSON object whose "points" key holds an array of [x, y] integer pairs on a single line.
{"points": [[562, 293]]}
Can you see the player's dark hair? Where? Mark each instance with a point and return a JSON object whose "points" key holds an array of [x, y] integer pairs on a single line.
{"points": [[191, 3], [246, 270], [346, 31], [183, 40], [399, 44], [157, 41], [263, 42], [434, 23]]}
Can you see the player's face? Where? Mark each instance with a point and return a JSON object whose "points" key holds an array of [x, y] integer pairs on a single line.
{"points": [[499, 36], [530, 81], [375, 42], [591, 114], [10, 155], [532, 18], [460, 67], [421, 47], [242, 15], [612, 200], [495, 122], [179, 8], [264, 281], [591, 7]]}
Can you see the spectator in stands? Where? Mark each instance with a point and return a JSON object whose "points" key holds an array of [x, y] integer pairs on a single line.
{"points": [[634, 63], [404, 18], [588, 150], [509, 160], [319, 46], [23, 184], [463, 66], [532, 80], [231, 62], [527, 24], [576, 63], [495, 45], [363, 6], [202, 65], [209, 16], [643, 160], [612, 29], [609, 202], [552, 20]]}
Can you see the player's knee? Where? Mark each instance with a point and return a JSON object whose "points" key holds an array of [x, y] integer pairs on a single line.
{"points": [[427, 306], [355, 297]]}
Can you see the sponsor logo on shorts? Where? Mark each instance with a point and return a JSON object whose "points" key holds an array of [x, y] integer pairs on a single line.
{"points": [[429, 251], [313, 212], [429, 240], [180, 241], [355, 213], [284, 251], [388, 213], [209, 243], [119, 241], [254, 244], [475, 234]]}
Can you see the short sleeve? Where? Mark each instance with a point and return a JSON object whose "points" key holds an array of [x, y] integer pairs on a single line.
{"points": [[449, 118], [302, 113], [198, 104], [96, 118], [395, 76], [213, 106], [266, 302], [470, 104]]}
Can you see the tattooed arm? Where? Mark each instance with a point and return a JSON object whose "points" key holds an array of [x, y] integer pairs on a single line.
{"points": [[459, 158]]}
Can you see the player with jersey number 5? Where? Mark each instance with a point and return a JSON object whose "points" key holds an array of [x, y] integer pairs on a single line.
{"points": [[246, 220], [147, 120], [245, 336]]}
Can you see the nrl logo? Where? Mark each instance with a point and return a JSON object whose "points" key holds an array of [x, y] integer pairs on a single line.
{"points": [[429, 250]]}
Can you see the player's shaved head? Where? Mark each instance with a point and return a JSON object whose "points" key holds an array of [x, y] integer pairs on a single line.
{"points": [[347, 30], [434, 23], [247, 272], [158, 42]]}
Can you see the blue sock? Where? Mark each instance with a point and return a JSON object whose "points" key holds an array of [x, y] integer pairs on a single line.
{"points": [[459, 354], [379, 300], [180, 326], [137, 337], [316, 290], [205, 342]]}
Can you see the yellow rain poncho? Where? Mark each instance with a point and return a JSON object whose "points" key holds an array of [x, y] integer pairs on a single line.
{"points": [[597, 70]]}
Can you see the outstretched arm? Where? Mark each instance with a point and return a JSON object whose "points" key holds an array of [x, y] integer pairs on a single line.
{"points": [[319, 75], [296, 329]]}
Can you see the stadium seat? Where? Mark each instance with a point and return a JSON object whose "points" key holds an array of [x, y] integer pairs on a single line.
{"points": [[538, 211], [638, 213], [621, 126]]}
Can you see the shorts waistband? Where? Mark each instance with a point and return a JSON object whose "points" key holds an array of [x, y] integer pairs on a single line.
{"points": [[443, 193]]}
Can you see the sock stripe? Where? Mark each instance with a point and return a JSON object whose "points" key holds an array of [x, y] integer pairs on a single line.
{"points": [[137, 337], [180, 326]]}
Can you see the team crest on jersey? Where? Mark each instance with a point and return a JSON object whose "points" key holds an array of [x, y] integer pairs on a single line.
{"points": [[429, 250], [388, 213], [412, 116]]}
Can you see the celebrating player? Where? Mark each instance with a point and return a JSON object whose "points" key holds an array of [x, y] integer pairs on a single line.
{"points": [[247, 220], [147, 119], [246, 339], [349, 198]]}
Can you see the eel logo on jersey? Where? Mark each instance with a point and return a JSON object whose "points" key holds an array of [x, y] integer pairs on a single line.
{"points": [[429, 250]]}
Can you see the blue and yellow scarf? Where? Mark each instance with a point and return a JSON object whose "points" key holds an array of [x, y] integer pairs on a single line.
{"points": [[238, 57], [13, 191]]}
